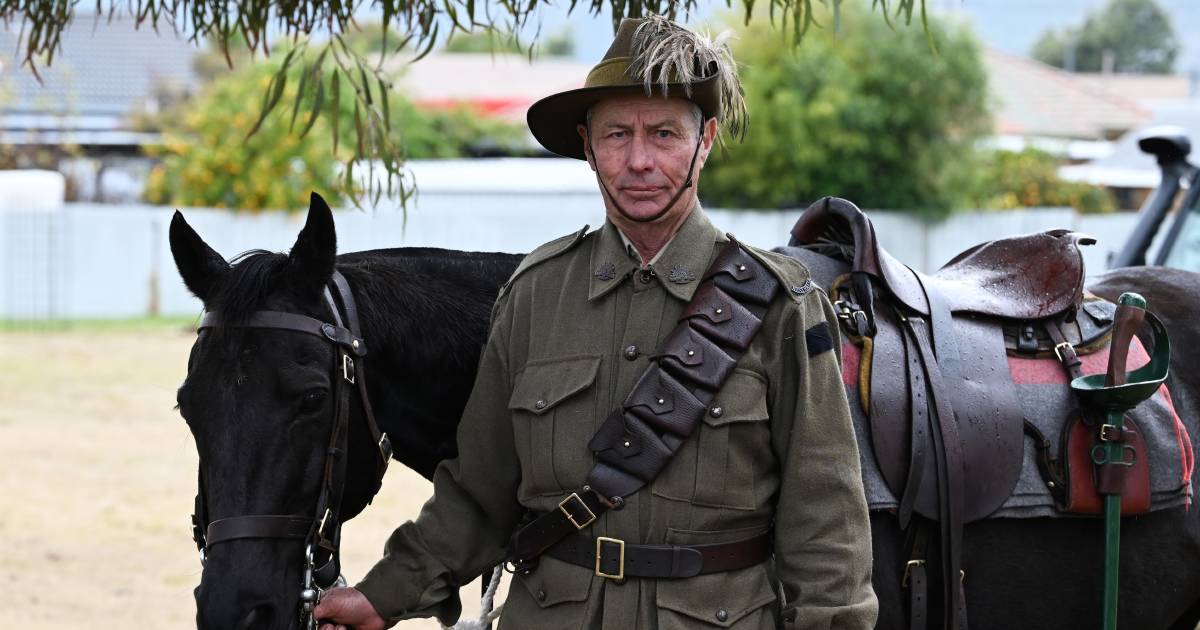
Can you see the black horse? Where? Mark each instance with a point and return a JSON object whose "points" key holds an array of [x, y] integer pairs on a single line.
{"points": [[258, 401], [257, 404]]}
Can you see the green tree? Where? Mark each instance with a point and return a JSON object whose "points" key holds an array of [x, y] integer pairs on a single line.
{"points": [[210, 158], [1029, 178], [1136, 35], [861, 112]]}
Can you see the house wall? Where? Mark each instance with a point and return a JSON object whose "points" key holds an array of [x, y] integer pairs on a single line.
{"points": [[99, 261]]}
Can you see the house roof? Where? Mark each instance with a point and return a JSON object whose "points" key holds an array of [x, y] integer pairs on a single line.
{"points": [[1127, 166], [1035, 99], [105, 70], [502, 84], [1146, 89]]}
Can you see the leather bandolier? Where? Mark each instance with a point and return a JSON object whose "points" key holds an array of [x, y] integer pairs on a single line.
{"points": [[636, 441]]}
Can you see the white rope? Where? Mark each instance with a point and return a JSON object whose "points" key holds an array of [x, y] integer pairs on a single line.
{"points": [[486, 613]]}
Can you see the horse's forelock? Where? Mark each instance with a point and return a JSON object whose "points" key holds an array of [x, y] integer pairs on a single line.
{"points": [[254, 275]]}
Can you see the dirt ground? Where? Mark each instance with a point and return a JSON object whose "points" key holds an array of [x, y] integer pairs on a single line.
{"points": [[97, 476]]}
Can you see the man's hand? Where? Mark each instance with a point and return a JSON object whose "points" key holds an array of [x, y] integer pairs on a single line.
{"points": [[344, 608]]}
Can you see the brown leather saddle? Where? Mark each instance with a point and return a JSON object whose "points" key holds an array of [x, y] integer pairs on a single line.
{"points": [[946, 423]]}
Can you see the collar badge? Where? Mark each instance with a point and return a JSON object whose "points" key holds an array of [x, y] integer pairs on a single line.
{"points": [[606, 271], [681, 275]]}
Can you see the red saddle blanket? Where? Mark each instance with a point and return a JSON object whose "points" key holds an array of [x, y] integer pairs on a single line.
{"points": [[1046, 400]]}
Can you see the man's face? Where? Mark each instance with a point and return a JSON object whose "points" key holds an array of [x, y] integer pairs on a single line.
{"points": [[641, 148]]}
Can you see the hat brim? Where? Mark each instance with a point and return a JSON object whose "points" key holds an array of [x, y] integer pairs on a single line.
{"points": [[553, 120]]}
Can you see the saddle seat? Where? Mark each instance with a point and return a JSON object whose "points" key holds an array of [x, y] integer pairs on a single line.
{"points": [[1021, 278]]}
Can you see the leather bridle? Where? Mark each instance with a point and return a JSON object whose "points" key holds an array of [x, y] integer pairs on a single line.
{"points": [[321, 531]]}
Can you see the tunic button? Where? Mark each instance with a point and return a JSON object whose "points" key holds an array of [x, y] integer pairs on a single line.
{"points": [[541, 404], [541, 595], [646, 275], [632, 353], [722, 614], [716, 411]]}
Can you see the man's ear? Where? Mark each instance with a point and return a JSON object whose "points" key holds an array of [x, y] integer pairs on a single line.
{"points": [[587, 146], [706, 143]]}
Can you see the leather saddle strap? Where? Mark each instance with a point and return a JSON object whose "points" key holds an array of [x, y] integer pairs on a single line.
{"points": [[260, 526], [661, 561], [944, 377], [949, 466], [915, 577], [918, 405], [1064, 350], [726, 310]]}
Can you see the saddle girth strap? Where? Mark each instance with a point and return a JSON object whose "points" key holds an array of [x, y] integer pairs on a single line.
{"points": [[940, 359], [637, 440]]}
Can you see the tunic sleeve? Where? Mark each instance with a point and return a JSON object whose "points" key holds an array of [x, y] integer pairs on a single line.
{"points": [[463, 529], [822, 532]]}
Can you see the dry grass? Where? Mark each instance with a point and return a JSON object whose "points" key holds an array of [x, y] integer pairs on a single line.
{"points": [[98, 477]]}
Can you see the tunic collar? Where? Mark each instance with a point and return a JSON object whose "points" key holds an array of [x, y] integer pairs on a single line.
{"points": [[677, 267]]}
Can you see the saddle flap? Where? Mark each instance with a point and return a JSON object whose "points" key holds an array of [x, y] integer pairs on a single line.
{"points": [[692, 357]]}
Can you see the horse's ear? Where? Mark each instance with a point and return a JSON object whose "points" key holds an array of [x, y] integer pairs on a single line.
{"points": [[199, 265], [315, 250]]}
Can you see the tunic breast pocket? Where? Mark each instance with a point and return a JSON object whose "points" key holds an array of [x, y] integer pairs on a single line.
{"points": [[553, 412], [731, 449]]}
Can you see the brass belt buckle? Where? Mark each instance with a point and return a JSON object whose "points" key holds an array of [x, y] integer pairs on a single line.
{"points": [[620, 574], [1060, 348], [908, 567], [591, 516]]}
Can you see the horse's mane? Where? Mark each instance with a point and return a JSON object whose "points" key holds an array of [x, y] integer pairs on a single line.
{"points": [[399, 292]]}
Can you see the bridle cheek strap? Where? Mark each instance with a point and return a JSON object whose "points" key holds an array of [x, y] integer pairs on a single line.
{"points": [[322, 530]]}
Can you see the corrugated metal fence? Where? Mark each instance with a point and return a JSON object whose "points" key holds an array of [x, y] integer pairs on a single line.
{"points": [[94, 261]]}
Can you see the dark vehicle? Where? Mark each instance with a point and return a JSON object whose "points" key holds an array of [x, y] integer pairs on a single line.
{"points": [[1180, 188]]}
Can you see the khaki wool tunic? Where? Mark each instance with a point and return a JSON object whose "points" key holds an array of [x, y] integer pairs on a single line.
{"points": [[571, 334]]}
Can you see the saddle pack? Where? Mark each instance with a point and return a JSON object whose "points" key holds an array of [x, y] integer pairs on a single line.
{"points": [[947, 423]]}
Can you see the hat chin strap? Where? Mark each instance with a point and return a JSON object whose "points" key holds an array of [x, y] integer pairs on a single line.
{"points": [[657, 215]]}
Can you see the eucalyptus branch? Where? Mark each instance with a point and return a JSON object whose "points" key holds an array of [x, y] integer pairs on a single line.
{"points": [[420, 25]]}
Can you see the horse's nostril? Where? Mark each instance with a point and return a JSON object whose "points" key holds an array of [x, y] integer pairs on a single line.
{"points": [[261, 617]]}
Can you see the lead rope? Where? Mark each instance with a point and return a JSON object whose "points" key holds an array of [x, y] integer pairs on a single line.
{"points": [[487, 614]]}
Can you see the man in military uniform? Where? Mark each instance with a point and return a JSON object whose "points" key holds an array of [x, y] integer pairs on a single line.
{"points": [[773, 458]]}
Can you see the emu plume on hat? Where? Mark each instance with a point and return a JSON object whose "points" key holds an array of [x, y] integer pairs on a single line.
{"points": [[648, 55]]}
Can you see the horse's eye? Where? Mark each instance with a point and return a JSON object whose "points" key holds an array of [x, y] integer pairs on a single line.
{"points": [[313, 399]]}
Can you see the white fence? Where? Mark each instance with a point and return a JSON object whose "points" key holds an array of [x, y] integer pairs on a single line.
{"points": [[94, 261]]}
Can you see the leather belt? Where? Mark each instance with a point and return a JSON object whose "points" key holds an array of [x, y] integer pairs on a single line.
{"points": [[615, 559]]}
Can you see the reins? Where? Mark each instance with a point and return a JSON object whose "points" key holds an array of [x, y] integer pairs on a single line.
{"points": [[321, 531]]}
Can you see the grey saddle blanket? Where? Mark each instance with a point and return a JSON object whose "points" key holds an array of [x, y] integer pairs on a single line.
{"points": [[1046, 399]]}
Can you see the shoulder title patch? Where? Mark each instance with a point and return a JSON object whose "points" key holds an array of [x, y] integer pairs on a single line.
{"points": [[818, 339]]}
